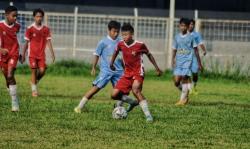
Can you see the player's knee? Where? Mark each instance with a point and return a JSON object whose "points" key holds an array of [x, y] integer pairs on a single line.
{"points": [[114, 96], [176, 83], [42, 71], [135, 91]]}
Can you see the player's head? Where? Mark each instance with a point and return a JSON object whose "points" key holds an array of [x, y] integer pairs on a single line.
{"points": [[11, 14], [191, 25], [114, 29], [184, 24], [127, 32], [38, 15]]}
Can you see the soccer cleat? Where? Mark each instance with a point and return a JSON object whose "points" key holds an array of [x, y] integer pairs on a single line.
{"points": [[181, 103], [15, 106], [77, 110], [34, 94], [194, 91], [149, 118]]}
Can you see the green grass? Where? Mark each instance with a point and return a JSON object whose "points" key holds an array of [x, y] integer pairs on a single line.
{"points": [[219, 117]]}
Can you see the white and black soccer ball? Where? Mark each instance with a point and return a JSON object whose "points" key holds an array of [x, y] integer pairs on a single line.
{"points": [[119, 113]]}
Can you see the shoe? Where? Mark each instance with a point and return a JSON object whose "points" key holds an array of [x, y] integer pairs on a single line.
{"points": [[149, 118], [194, 91], [34, 94], [77, 110], [181, 103], [15, 106]]}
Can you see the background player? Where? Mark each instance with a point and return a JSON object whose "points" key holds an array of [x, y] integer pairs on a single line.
{"points": [[9, 52], [195, 67], [37, 36], [184, 47]]}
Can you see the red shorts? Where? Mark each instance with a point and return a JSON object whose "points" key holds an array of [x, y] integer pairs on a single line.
{"points": [[10, 63], [125, 83], [37, 63]]}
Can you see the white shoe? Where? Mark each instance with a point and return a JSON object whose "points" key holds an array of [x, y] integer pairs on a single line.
{"points": [[15, 106], [77, 110], [149, 119]]}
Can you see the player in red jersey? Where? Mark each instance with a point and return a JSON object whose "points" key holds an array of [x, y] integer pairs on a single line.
{"points": [[37, 36], [9, 52], [133, 76]]}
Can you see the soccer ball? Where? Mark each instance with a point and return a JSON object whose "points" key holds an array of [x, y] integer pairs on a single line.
{"points": [[119, 113]]}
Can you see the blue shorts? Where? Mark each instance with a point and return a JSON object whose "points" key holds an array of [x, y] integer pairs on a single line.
{"points": [[183, 69], [195, 66], [103, 79]]}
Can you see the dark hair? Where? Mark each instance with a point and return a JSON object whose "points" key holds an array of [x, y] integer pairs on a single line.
{"points": [[185, 21], [127, 27], [10, 9], [114, 24], [192, 21], [39, 10]]}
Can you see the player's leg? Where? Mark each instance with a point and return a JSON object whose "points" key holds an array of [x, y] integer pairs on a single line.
{"points": [[41, 69], [137, 91], [100, 82], [33, 82], [115, 78], [195, 70], [186, 87], [177, 82], [12, 84]]}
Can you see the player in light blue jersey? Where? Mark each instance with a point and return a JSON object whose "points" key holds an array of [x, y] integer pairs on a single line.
{"points": [[195, 67], [184, 46], [104, 52]]}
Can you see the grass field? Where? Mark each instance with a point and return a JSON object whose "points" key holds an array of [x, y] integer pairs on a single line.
{"points": [[219, 117]]}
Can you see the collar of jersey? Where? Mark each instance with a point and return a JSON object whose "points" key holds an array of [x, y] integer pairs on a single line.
{"points": [[184, 35], [110, 38], [36, 27], [9, 26], [128, 46]]}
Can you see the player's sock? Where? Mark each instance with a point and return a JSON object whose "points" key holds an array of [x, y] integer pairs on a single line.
{"points": [[33, 87], [14, 98], [144, 106], [82, 102], [184, 92], [190, 86]]}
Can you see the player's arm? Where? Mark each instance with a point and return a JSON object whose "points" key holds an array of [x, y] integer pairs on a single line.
{"points": [[152, 60], [95, 62], [173, 58], [112, 67], [196, 52], [25, 47], [203, 49], [51, 50]]}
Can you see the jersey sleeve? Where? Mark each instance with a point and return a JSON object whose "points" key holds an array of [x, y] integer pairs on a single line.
{"points": [[48, 34], [199, 39], [99, 49], [174, 44], [118, 47], [27, 34]]}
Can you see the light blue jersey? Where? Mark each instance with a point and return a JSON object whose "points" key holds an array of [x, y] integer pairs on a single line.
{"points": [[105, 50], [199, 41], [184, 44]]}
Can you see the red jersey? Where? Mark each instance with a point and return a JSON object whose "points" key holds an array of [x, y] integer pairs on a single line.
{"points": [[133, 57], [37, 37], [8, 38]]}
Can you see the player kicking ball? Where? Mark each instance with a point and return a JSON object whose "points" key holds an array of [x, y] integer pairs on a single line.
{"points": [[132, 79], [184, 46], [37, 36], [9, 53], [104, 52], [195, 66]]}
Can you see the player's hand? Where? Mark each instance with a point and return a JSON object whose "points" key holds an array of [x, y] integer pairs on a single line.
{"points": [[158, 72], [4, 51], [173, 64], [93, 72], [204, 53], [21, 59], [112, 67], [53, 58]]}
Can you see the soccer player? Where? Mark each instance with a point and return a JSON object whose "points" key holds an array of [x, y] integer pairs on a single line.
{"points": [[104, 52], [184, 46], [195, 67], [133, 76], [37, 36], [9, 52]]}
